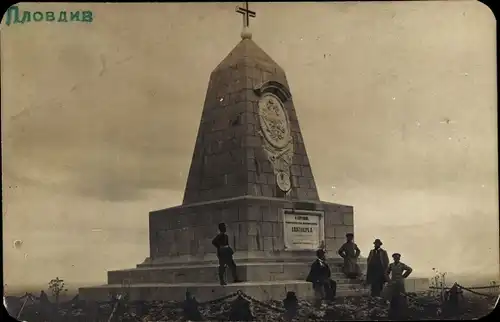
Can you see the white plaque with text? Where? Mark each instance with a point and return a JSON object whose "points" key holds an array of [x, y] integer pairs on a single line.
{"points": [[303, 230]]}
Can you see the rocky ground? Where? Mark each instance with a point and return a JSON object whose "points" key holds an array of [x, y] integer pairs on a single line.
{"points": [[422, 307]]}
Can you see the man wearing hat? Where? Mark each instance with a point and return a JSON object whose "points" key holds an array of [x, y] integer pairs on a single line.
{"points": [[224, 254], [378, 262], [320, 276], [350, 252], [398, 272]]}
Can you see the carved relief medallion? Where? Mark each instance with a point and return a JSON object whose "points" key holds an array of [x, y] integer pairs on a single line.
{"points": [[283, 181], [278, 143], [274, 121]]}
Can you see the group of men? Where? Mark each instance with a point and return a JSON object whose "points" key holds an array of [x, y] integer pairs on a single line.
{"points": [[379, 270]]}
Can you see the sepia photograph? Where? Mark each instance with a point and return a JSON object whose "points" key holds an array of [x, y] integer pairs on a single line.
{"points": [[242, 161]]}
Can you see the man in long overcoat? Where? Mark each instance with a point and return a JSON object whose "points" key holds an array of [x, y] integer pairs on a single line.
{"points": [[378, 262], [350, 252]]}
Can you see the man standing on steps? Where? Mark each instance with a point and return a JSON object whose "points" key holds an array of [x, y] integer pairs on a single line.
{"points": [[378, 262], [224, 254], [350, 253]]}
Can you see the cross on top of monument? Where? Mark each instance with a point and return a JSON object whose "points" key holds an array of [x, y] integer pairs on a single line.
{"points": [[246, 13]]}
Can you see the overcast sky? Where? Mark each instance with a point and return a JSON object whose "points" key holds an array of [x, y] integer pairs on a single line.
{"points": [[396, 101]]}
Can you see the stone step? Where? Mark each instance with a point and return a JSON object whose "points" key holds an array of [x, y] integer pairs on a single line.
{"points": [[254, 272], [334, 262], [263, 291]]}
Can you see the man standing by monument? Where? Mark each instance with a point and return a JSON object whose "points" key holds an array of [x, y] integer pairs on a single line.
{"points": [[224, 254], [350, 252], [378, 262], [320, 276], [398, 272]]}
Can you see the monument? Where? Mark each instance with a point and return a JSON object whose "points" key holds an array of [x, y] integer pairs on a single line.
{"points": [[250, 170]]}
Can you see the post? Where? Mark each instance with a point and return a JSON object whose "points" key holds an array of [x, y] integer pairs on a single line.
{"points": [[291, 305]]}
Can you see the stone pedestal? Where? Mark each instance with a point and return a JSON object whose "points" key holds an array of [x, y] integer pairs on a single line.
{"points": [[182, 256], [255, 228], [265, 280]]}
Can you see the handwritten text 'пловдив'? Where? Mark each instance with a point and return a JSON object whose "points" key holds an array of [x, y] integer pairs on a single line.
{"points": [[16, 16]]}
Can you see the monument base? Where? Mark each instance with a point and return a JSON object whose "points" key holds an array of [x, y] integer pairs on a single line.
{"points": [[257, 270], [263, 280], [267, 235], [262, 291]]}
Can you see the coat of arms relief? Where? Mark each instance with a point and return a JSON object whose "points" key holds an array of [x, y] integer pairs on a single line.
{"points": [[275, 129]]}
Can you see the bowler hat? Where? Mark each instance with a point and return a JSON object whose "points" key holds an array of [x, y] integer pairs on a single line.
{"points": [[396, 255], [320, 252], [377, 241]]}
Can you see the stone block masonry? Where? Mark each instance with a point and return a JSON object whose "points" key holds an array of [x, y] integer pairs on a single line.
{"points": [[229, 159], [255, 224]]}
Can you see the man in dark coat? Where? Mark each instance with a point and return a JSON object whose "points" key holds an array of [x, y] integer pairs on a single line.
{"points": [[320, 276], [378, 262], [225, 255]]}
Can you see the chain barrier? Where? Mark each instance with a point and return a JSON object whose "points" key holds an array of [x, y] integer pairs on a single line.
{"points": [[414, 299], [475, 292], [470, 288], [221, 299], [263, 304], [231, 296], [121, 298]]}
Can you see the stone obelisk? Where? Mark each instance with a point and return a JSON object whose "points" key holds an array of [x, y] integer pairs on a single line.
{"points": [[249, 169]]}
